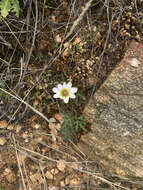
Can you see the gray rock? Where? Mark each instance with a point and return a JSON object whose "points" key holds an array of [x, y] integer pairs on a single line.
{"points": [[116, 114]]}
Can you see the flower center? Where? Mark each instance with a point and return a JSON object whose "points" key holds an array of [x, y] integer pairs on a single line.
{"points": [[64, 93]]}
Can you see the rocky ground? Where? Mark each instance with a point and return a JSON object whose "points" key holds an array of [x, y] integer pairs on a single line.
{"points": [[35, 56]]}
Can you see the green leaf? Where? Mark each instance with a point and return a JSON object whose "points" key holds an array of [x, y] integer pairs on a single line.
{"points": [[2, 188], [73, 124], [15, 7], [7, 6]]}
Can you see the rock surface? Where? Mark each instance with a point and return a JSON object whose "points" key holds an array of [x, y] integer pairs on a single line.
{"points": [[116, 114]]}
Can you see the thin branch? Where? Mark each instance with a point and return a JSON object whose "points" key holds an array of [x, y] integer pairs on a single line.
{"points": [[33, 41], [76, 22]]}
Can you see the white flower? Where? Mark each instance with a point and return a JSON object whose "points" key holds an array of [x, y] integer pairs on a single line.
{"points": [[65, 91]]}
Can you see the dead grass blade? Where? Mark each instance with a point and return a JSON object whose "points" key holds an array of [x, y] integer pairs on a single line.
{"points": [[18, 163], [28, 105], [98, 177]]}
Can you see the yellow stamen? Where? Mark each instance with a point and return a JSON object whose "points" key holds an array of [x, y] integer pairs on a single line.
{"points": [[64, 93]]}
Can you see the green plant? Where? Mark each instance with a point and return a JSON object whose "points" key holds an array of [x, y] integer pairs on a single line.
{"points": [[2, 188], [43, 75], [73, 124], [7, 6], [79, 97], [78, 48], [64, 77]]}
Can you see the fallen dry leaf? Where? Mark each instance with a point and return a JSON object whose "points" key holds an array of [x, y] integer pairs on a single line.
{"points": [[54, 131], [36, 177], [59, 117], [48, 175], [11, 178], [2, 141], [25, 135], [3, 124], [53, 188], [9, 175], [54, 171], [10, 127], [58, 38], [66, 44], [39, 139], [7, 171], [36, 126], [65, 53], [61, 165], [134, 62], [18, 128], [75, 181], [77, 41], [94, 28], [0, 158], [36, 103], [53, 138], [67, 180], [51, 125], [64, 4], [53, 18], [52, 120], [58, 126], [62, 183]]}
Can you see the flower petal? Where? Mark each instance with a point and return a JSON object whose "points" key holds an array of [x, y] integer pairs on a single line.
{"points": [[72, 95], [74, 90], [66, 100], [56, 95], [64, 85], [69, 85], [62, 98], [60, 86], [55, 90]]}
